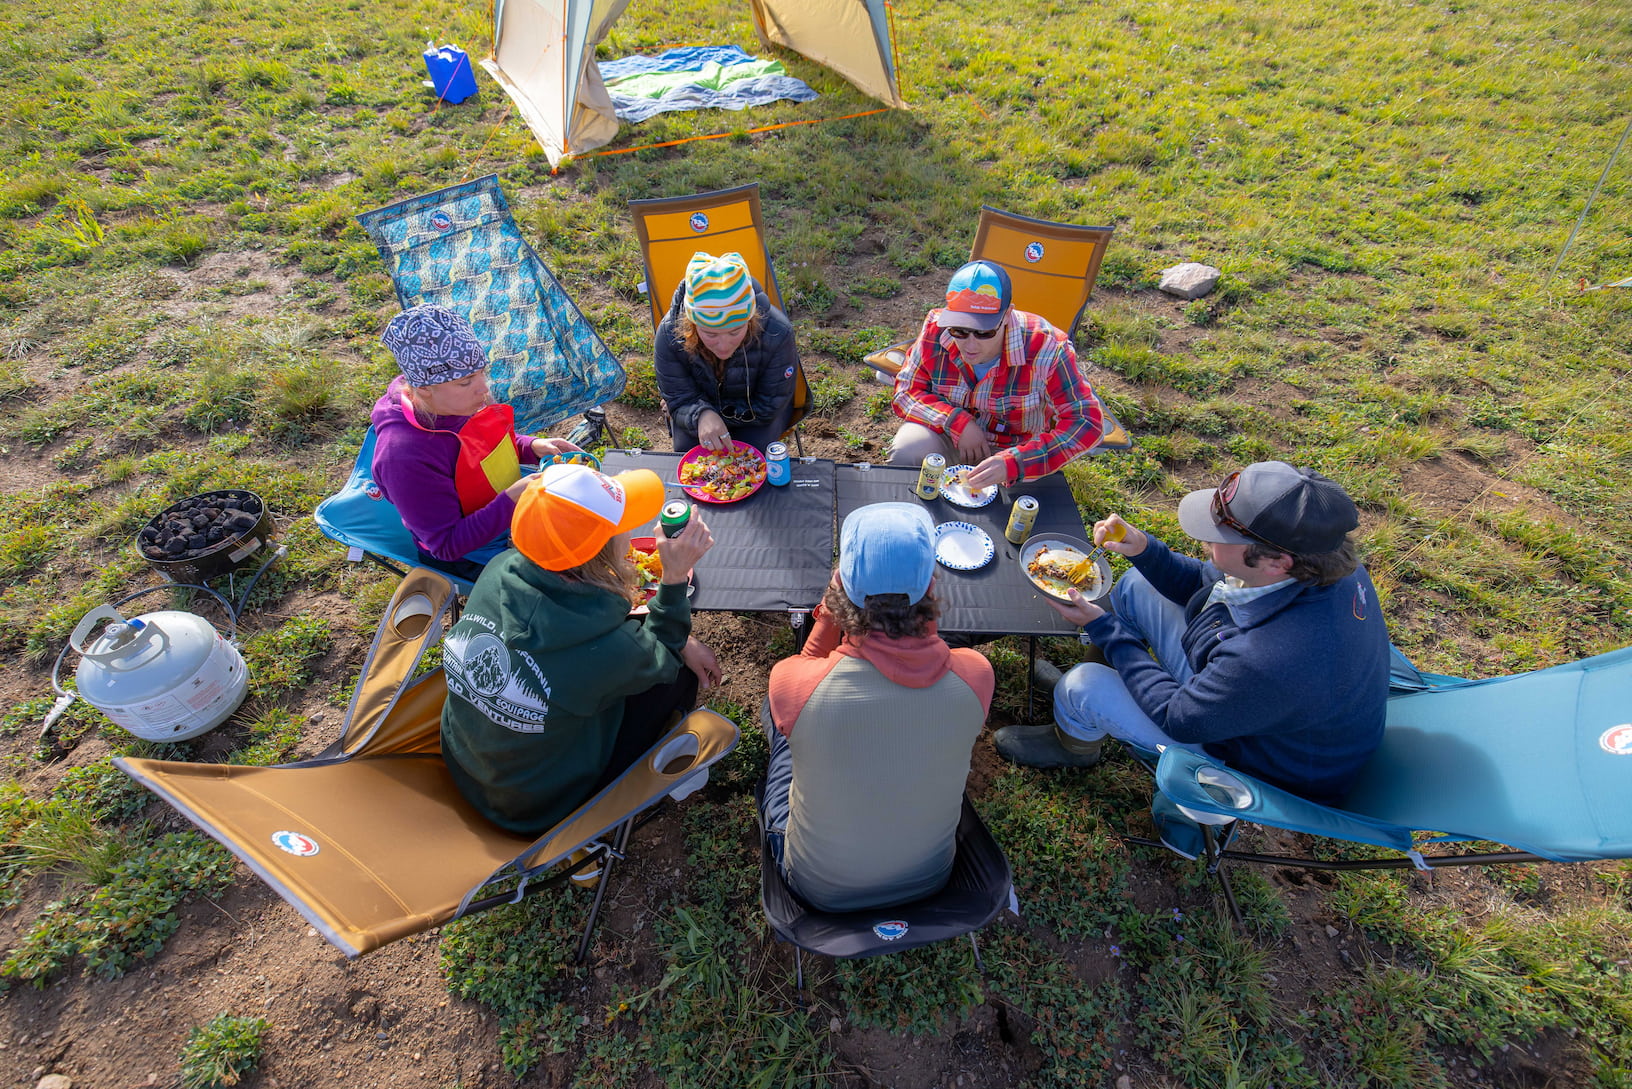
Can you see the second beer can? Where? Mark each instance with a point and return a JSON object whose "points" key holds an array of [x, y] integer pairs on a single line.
{"points": [[930, 477], [1021, 518]]}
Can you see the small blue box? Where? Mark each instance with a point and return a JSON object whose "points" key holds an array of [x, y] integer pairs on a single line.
{"points": [[450, 72]]}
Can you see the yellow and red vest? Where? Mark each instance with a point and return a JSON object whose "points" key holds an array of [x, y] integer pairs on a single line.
{"points": [[487, 454]]}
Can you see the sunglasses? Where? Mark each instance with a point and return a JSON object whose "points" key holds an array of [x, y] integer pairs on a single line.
{"points": [[958, 332], [1221, 512]]}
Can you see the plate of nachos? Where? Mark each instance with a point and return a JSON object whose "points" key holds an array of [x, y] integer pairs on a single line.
{"points": [[722, 477]]}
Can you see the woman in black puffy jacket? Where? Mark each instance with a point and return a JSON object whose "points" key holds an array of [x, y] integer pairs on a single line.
{"points": [[725, 358]]}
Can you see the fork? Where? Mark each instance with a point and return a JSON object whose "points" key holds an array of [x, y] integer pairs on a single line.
{"points": [[1079, 573]]}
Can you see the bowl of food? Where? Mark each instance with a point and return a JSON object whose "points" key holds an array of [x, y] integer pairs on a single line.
{"points": [[1052, 564], [643, 554]]}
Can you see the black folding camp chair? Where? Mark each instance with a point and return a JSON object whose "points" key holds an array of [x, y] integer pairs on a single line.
{"points": [[980, 886]]}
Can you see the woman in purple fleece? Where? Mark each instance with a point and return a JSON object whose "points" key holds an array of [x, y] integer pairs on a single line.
{"points": [[445, 455]]}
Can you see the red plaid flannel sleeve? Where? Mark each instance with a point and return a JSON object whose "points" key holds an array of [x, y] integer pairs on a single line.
{"points": [[925, 377], [1079, 419]]}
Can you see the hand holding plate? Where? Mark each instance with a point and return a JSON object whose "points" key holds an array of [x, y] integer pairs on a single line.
{"points": [[1079, 610]]}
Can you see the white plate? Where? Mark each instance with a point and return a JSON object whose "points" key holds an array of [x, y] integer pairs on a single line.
{"points": [[962, 547], [1080, 548], [960, 496]]}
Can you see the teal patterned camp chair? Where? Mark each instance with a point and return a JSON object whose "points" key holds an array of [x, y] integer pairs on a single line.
{"points": [[459, 248]]}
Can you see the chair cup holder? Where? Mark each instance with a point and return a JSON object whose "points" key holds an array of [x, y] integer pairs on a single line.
{"points": [[412, 616], [1224, 789], [676, 756]]}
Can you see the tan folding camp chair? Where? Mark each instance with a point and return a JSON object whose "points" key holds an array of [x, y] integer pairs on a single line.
{"points": [[671, 229], [371, 841], [1052, 268]]}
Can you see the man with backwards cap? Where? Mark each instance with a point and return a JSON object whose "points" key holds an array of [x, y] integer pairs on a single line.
{"points": [[1273, 657], [992, 387], [871, 726], [725, 358]]}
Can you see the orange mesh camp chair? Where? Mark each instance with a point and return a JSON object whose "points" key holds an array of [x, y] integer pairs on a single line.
{"points": [[1052, 267], [370, 840], [671, 229]]}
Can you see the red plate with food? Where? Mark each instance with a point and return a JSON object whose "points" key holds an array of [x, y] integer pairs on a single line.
{"points": [[643, 554], [722, 477]]}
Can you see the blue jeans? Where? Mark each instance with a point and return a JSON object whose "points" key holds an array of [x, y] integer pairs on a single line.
{"points": [[774, 808], [1091, 701]]}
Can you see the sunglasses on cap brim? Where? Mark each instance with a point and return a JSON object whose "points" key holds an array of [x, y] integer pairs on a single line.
{"points": [[1221, 513]]}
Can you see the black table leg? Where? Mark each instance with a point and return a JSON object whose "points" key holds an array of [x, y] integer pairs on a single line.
{"points": [[1031, 675]]}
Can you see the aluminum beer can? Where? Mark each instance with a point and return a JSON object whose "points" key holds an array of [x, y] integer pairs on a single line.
{"points": [[777, 471], [676, 514], [930, 477], [1022, 517]]}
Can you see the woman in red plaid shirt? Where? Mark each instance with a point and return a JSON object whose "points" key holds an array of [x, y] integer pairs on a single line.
{"points": [[993, 387]]}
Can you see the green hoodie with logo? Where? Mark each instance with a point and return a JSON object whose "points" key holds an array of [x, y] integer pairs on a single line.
{"points": [[538, 668]]}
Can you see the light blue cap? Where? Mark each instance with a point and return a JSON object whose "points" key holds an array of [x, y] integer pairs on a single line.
{"points": [[887, 548]]}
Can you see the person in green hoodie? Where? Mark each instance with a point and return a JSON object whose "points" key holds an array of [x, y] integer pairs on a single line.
{"points": [[553, 688]]}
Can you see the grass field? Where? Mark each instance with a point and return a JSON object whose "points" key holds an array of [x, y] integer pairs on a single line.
{"points": [[186, 303]]}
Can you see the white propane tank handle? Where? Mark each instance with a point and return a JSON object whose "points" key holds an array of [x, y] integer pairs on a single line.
{"points": [[118, 657], [82, 630]]}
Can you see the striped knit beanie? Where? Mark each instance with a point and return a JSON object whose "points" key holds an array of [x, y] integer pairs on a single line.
{"points": [[719, 291]]}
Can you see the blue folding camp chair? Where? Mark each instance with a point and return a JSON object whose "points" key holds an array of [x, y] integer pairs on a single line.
{"points": [[1539, 761], [360, 517], [459, 248]]}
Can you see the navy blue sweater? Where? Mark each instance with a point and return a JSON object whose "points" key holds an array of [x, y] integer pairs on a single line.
{"points": [[1294, 692]]}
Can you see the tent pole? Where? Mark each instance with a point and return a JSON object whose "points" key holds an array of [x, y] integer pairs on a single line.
{"points": [[1595, 189]]}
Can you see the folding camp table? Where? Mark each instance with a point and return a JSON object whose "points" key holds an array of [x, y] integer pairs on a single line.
{"points": [[997, 597], [773, 551]]}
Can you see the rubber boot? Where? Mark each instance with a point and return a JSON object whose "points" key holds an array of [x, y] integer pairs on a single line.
{"points": [[1045, 746]]}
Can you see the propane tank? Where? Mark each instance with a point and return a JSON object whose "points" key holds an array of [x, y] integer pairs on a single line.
{"points": [[165, 676]]}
